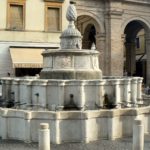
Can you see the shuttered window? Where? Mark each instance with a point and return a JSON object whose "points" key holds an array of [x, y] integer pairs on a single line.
{"points": [[16, 14], [16, 17], [53, 19]]}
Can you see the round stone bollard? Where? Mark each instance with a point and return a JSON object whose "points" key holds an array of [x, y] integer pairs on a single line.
{"points": [[44, 137], [138, 135]]}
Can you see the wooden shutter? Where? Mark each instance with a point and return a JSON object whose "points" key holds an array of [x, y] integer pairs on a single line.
{"points": [[53, 20], [16, 17]]}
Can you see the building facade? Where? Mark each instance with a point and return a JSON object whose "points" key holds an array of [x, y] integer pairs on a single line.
{"points": [[112, 25], [27, 27], [116, 24]]}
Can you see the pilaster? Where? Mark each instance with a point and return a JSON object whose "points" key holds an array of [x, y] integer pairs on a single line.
{"points": [[100, 45], [130, 58], [113, 20]]}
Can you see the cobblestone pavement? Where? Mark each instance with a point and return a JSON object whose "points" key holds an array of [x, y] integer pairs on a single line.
{"points": [[125, 144], [17, 145]]}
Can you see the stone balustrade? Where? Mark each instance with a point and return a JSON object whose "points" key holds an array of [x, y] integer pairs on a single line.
{"points": [[91, 94]]}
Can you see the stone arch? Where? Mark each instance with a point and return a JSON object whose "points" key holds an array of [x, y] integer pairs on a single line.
{"points": [[143, 21], [90, 26], [134, 54], [98, 23]]}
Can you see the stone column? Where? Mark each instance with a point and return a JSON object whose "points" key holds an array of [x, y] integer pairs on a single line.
{"points": [[117, 92], [4, 129], [4, 89], [100, 93], [139, 89], [27, 120], [61, 91], [148, 58], [25, 92], [130, 58], [29, 92], [16, 90], [127, 91], [100, 46], [138, 135], [44, 137], [81, 103], [8, 89], [42, 99], [134, 91]]}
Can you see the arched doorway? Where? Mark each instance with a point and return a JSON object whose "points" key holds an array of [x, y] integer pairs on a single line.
{"points": [[89, 28], [93, 33], [135, 50], [89, 37]]}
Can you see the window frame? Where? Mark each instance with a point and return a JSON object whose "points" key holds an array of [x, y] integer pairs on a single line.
{"points": [[17, 3], [57, 6]]}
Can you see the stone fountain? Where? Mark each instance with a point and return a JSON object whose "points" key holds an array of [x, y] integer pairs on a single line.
{"points": [[71, 95]]}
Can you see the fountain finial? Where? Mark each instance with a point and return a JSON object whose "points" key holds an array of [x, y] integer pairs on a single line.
{"points": [[71, 37], [71, 14]]}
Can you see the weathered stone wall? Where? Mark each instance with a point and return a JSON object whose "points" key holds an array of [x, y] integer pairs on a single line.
{"points": [[72, 126], [112, 17]]}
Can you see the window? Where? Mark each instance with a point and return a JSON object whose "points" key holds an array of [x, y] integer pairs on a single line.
{"points": [[53, 17], [15, 20]]}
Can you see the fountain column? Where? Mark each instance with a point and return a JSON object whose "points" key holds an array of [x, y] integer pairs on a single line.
{"points": [[81, 104], [117, 92], [100, 93], [4, 89], [127, 92], [134, 91], [139, 88], [8, 88], [16, 90], [61, 95], [29, 93]]}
